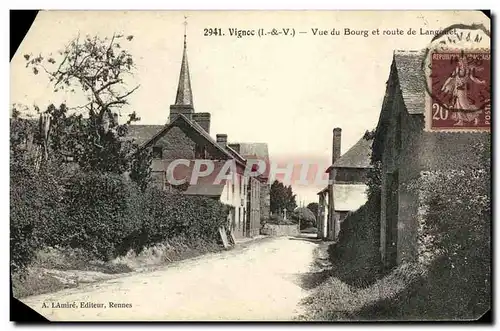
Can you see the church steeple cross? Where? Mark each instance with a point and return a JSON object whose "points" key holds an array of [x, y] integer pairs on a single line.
{"points": [[185, 29], [184, 95]]}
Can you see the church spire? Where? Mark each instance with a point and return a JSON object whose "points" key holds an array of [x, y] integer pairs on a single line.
{"points": [[184, 93]]}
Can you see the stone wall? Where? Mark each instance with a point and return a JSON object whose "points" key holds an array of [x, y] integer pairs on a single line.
{"points": [[280, 230], [408, 153], [429, 152], [176, 145]]}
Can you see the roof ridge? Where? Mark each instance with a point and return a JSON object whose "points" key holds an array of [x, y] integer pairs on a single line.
{"points": [[197, 128], [354, 157], [235, 152], [408, 65]]}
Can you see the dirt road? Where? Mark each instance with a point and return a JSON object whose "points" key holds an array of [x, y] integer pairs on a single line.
{"points": [[259, 282]]}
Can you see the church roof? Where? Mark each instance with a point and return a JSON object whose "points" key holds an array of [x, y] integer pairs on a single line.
{"points": [[358, 156], [184, 93], [411, 79]]}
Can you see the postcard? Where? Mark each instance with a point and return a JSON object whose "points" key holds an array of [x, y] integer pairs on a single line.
{"points": [[252, 166]]}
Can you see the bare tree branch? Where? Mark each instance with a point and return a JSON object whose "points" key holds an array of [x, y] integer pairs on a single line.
{"points": [[129, 93], [105, 86]]}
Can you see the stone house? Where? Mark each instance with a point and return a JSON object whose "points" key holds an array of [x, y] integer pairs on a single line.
{"points": [[405, 151], [346, 191], [186, 136]]}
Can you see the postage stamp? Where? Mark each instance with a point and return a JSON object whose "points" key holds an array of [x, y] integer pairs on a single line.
{"points": [[460, 90], [457, 66]]}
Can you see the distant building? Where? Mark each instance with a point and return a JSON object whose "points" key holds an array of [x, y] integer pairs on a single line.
{"points": [[187, 136], [346, 191], [252, 152], [406, 150]]}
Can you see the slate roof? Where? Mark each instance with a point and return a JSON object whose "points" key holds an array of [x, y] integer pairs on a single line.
{"points": [[411, 79], [211, 190], [252, 150], [358, 156], [142, 133]]}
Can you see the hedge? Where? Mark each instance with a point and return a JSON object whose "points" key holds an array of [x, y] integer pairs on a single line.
{"points": [[456, 232], [34, 207], [101, 212], [170, 215], [104, 214]]}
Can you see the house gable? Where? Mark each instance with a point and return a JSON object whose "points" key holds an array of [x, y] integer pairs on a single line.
{"points": [[183, 138]]}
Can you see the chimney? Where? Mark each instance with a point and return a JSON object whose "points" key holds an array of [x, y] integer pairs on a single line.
{"points": [[336, 143], [185, 110], [222, 139], [203, 119]]}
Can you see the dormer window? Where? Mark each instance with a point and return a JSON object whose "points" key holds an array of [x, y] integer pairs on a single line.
{"points": [[157, 152]]}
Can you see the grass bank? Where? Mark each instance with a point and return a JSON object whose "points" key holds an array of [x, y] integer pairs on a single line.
{"points": [[55, 269], [336, 296]]}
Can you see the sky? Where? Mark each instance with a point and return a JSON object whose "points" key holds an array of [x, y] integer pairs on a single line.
{"points": [[289, 92]]}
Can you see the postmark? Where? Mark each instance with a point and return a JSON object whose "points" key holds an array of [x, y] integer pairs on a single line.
{"points": [[457, 70]]}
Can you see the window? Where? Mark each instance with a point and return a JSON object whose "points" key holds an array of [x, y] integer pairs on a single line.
{"points": [[157, 152], [233, 183]]}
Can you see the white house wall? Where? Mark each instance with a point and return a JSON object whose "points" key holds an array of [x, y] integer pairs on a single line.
{"points": [[237, 199], [349, 197]]}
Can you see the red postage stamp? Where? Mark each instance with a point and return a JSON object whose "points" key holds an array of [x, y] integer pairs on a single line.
{"points": [[460, 90]]}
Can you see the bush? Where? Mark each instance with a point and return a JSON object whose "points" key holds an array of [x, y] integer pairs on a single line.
{"points": [[305, 216], [169, 215], [279, 220], [102, 211], [456, 233], [34, 205], [356, 253], [103, 214], [108, 215]]}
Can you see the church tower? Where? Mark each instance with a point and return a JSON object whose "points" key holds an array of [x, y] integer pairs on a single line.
{"points": [[184, 98]]}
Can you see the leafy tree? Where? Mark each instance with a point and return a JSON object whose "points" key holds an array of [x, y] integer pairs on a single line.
{"points": [[313, 206], [306, 217], [282, 197], [99, 69], [21, 141]]}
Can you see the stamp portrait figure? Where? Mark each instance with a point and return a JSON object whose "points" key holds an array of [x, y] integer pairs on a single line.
{"points": [[463, 106]]}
